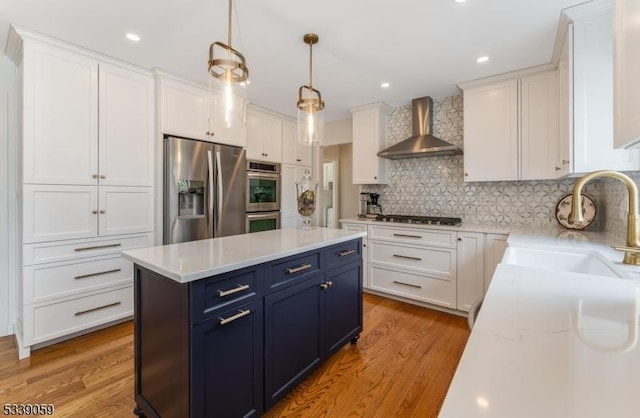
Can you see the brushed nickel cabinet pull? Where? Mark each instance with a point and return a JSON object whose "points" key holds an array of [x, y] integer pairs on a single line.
{"points": [[98, 308], [346, 253], [408, 257], [565, 162], [557, 168], [299, 269], [103, 176], [408, 284], [240, 314], [298, 159], [95, 176], [96, 247], [84, 276], [407, 236], [94, 211], [326, 285], [102, 211], [237, 289]]}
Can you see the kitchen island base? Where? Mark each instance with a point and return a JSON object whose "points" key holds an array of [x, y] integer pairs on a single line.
{"points": [[233, 344]]}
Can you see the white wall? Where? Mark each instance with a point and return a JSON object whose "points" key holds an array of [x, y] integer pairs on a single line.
{"points": [[7, 100], [338, 132]]}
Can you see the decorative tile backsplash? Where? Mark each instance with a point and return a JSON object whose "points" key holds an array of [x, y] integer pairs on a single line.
{"points": [[615, 205], [434, 186]]}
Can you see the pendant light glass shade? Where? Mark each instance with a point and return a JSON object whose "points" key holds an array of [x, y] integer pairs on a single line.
{"points": [[310, 105], [228, 95]]}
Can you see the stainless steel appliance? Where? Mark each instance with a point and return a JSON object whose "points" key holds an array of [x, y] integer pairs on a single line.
{"points": [[419, 220], [369, 206], [204, 186], [262, 196], [262, 221], [263, 186]]}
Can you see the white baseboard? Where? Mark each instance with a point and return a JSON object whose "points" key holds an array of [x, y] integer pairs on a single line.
{"points": [[23, 352]]}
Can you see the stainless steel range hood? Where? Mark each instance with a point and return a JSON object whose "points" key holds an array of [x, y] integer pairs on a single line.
{"points": [[421, 143]]}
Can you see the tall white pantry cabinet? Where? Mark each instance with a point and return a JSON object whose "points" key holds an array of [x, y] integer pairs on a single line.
{"points": [[84, 186]]}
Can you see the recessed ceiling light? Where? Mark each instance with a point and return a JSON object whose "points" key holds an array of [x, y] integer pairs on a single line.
{"points": [[459, 1], [133, 37], [384, 85], [482, 59]]}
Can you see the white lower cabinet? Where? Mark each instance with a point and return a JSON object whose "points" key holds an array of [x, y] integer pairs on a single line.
{"points": [[438, 267], [415, 264], [44, 322], [359, 227], [125, 210], [470, 278]]}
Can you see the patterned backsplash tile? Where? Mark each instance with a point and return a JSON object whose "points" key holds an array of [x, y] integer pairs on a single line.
{"points": [[435, 185]]}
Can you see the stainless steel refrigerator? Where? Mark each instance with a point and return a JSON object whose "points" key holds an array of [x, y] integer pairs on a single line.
{"points": [[204, 190]]}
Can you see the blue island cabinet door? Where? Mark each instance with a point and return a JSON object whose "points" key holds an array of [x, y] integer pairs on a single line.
{"points": [[343, 306], [293, 336], [227, 364]]}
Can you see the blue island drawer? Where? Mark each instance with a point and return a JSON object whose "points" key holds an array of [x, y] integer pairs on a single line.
{"points": [[292, 270], [343, 253], [209, 296]]}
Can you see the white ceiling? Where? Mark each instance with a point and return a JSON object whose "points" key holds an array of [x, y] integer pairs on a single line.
{"points": [[421, 47]]}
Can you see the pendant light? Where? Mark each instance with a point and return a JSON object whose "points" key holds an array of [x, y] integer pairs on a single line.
{"points": [[310, 104], [229, 68]]}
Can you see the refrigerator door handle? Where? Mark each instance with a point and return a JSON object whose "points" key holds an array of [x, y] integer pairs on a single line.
{"points": [[220, 191], [209, 198]]}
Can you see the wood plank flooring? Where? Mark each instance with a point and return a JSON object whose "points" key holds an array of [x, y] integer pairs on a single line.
{"points": [[401, 367]]}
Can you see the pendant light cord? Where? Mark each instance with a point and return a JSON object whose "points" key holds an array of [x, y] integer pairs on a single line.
{"points": [[311, 65]]}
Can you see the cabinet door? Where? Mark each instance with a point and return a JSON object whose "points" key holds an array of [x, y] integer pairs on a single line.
{"points": [[227, 364], [365, 250], [255, 135], [185, 110], [125, 210], [490, 124], [52, 213], [565, 106], [539, 126], [494, 248], [126, 127], [60, 119], [369, 137], [626, 32], [293, 342], [593, 114], [470, 269], [289, 143], [343, 306], [273, 139], [289, 204]]}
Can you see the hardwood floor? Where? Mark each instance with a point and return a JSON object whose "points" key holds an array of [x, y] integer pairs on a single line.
{"points": [[401, 367]]}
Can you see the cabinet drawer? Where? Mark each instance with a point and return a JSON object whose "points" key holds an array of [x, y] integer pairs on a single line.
{"points": [[210, 296], [291, 270], [414, 286], [48, 281], [343, 253], [46, 322], [434, 238], [49, 252], [438, 262], [355, 227]]}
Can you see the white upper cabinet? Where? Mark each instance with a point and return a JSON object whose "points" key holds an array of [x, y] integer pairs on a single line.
{"points": [[369, 137], [491, 132], [565, 105], [292, 151], [591, 53], [626, 77], [264, 136], [539, 126], [185, 110], [126, 127], [60, 124]]}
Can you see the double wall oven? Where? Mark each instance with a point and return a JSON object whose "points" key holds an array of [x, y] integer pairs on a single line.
{"points": [[262, 196]]}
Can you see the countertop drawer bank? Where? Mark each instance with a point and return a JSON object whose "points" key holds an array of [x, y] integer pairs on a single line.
{"points": [[237, 322]]}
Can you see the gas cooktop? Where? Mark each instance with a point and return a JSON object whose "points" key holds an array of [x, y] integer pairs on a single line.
{"points": [[420, 220]]}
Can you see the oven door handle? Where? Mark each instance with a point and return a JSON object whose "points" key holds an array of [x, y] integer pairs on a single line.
{"points": [[271, 176]]}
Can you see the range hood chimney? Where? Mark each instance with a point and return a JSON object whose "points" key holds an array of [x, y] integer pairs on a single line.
{"points": [[421, 143]]}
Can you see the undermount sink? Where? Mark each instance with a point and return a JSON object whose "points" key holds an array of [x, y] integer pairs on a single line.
{"points": [[560, 261]]}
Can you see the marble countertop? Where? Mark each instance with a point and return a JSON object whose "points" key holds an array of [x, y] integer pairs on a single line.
{"points": [[550, 343], [195, 260]]}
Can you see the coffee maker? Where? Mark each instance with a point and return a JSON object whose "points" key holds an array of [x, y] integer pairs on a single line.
{"points": [[369, 206]]}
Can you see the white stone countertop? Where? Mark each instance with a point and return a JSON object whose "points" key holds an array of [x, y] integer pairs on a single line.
{"points": [[189, 261], [551, 343]]}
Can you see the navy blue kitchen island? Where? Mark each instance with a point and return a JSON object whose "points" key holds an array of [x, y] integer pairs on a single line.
{"points": [[226, 327]]}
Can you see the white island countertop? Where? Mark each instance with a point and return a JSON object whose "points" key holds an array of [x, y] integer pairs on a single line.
{"points": [[189, 261], [552, 343]]}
